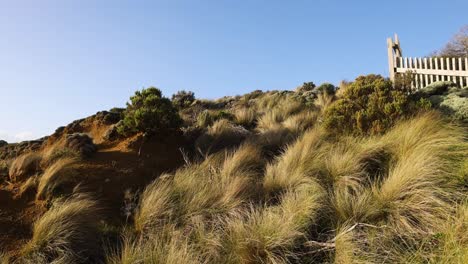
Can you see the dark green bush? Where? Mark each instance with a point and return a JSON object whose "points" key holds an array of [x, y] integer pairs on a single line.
{"points": [[252, 95], [370, 105], [306, 87], [183, 99], [325, 88], [149, 112]]}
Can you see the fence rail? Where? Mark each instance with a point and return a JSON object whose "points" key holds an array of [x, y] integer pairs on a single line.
{"points": [[426, 70]]}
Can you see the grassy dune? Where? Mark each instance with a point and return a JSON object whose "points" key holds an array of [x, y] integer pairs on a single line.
{"points": [[268, 181]]}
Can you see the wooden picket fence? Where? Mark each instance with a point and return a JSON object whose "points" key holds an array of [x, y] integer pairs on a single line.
{"points": [[426, 70]]}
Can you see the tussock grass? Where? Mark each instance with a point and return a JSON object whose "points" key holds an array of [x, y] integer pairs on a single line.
{"points": [[57, 152], [299, 123], [269, 235], [55, 177], [200, 190], [427, 132], [169, 246], [245, 117], [24, 166], [323, 101], [274, 116], [453, 238], [67, 232], [30, 185], [205, 119], [222, 134], [155, 206], [296, 165], [4, 258]]}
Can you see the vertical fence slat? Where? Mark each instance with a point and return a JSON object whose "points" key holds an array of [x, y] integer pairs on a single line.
{"points": [[415, 66], [437, 68], [431, 67], [454, 68], [466, 69], [421, 76], [460, 68], [442, 67], [407, 66], [449, 78], [426, 77], [418, 66]]}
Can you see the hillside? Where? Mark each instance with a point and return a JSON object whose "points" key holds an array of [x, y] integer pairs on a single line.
{"points": [[368, 172]]}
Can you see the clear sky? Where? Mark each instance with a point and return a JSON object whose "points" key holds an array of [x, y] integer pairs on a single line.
{"points": [[63, 60]]}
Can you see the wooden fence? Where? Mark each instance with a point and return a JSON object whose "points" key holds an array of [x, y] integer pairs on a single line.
{"points": [[426, 70]]}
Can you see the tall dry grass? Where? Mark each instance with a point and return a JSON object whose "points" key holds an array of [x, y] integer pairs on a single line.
{"points": [[296, 165], [246, 117], [168, 246], [271, 234], [56, 152], [392, 198], [4, 258], [54, 177], [283, 108], [221, 135], [201, 190], [65, 233], [24, 166]]}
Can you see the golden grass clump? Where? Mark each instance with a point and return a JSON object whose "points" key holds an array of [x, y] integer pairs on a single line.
{"points": [[24, 166], [200, 190], [54, 177], [273, 117], [299, 123], [296, 165], [67, 232], [221, 135], [4, 258], [30, 185], [168, 246], [57, 152], [323, 101], [205, 119], [245, 117], [449, 245], [428, 132], [156, 206], [270, 235]]}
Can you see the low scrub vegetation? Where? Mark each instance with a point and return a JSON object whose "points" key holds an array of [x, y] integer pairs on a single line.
{"points": [[371, 105], [149, 112], [183, 99]]}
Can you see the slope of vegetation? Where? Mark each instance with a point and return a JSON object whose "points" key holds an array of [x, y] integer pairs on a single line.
{"points": [[364, 173]]}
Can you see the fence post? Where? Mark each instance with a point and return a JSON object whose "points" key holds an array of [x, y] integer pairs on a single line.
{"points": [[391, 61]]}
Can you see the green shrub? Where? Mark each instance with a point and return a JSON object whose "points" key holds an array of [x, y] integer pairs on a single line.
{"points": [[370, 105], [306, 87], [148, 111], [325, 88], [183, 98]]}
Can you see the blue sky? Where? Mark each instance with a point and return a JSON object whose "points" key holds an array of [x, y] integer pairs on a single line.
{"points": [[63, 60]]}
